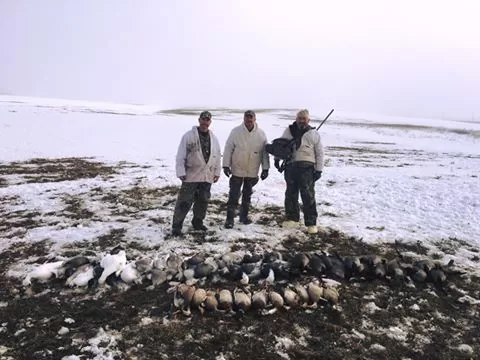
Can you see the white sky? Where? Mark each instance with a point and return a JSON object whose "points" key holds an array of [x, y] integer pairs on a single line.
{"points": [[414, 58]]}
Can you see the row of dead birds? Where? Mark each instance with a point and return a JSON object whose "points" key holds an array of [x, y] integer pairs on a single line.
{"points": [[243, 267], [241, 300]]}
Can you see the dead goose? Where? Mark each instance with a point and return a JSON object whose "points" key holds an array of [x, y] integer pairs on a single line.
{"points": [[276, 299], [315, 292], [74, 263], [291, 297], [330, 294], [259, 299], [174, 263], [418, 275], [196, 259], [186, 292], [199, 296], [203, 270], [317, 265], [299, 262], [129, 274], [424, 264], [437, 276], [271, 256], [44, 272], [225, 299], [158, 276], [144, 265], [81, 277], [380, 269], [242, 300], [302, 294], [211, 303], [112, 264]]}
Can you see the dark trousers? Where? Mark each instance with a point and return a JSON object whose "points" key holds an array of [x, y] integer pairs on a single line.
{"points": [[236, 184], [196, 193], [300, 179]]}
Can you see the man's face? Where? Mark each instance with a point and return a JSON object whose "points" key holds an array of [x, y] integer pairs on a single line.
{"points": [[204, 123], [249, 121], [302, 121]]}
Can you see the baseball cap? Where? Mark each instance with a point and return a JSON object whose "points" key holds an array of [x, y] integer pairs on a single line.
{"points": [[249, 113], [205, 114]]}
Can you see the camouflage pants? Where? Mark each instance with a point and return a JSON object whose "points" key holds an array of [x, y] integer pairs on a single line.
{"points": [[234, 195], [196, 193], [300, 179]]}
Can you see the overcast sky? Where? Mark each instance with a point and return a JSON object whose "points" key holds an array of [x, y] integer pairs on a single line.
{"points": [[414, 58]]}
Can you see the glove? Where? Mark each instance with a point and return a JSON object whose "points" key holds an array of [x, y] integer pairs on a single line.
{"points": [[227, 171], [264, 174], [317, 175], [277, 164]]}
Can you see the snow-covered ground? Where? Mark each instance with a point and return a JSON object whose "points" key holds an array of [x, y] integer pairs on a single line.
{"points": [[79, 178], [386, 178]]}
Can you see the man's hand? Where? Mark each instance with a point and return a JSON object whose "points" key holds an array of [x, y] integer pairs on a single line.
{"points": [[215, 178], [317, 175], [264, 174], [183, 178], [227, 171]]}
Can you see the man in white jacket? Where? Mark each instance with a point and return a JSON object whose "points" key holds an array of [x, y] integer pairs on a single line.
{"points": [[243, 154], [302, 171], [198, 164]]}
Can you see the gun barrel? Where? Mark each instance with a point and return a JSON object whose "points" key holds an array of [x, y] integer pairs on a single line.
{"points": [[330, 113]]}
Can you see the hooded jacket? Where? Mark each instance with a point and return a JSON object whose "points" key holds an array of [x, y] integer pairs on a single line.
{"points": [[244, 151], [190, 161], [310, 149]]}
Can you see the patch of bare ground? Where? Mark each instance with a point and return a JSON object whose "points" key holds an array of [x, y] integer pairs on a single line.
{"points": [[138, 198], [18, 222], [113, 238], [75, 208], [55, 170]]}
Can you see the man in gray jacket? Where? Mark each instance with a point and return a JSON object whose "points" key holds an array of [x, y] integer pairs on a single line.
{"points": [[243, 154], [301, 172], [198, 164]]}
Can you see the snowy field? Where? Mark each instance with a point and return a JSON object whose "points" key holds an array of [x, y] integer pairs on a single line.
{"points": [[79, 178]]}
